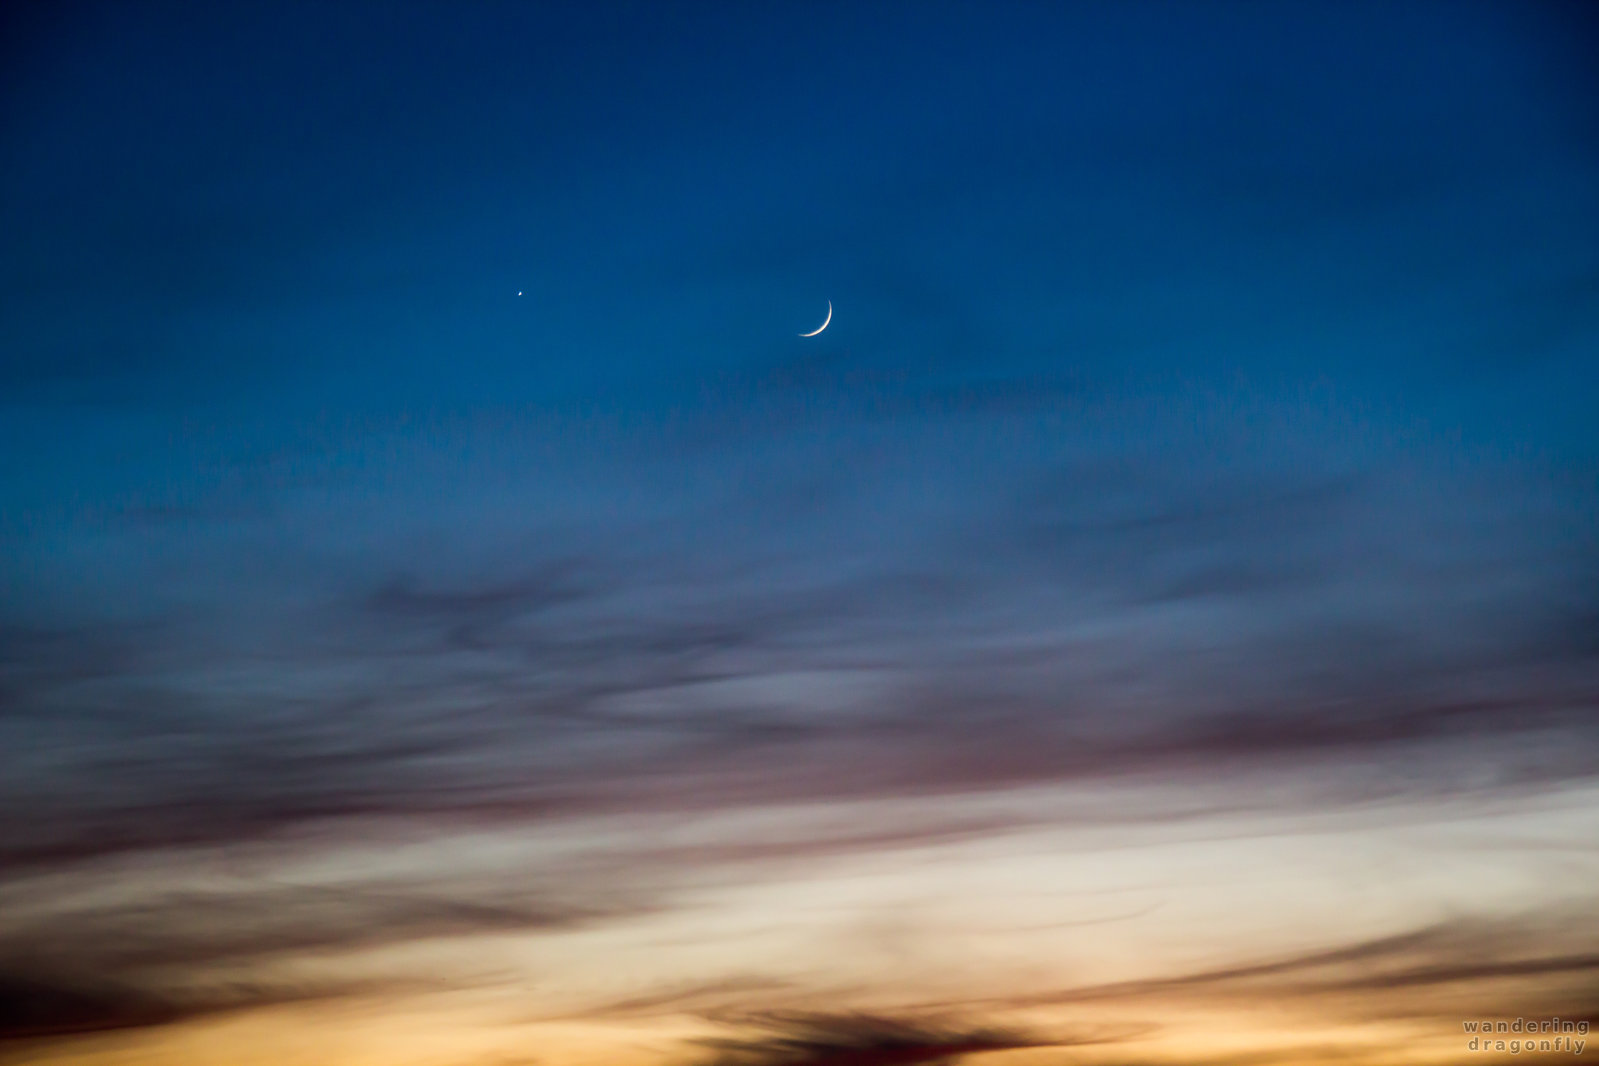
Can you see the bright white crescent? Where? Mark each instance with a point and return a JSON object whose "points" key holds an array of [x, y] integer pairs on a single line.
{"points": [[825, 321]]}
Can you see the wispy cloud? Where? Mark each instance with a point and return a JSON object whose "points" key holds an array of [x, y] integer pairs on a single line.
{"points": [[861, 1040], [41, 1006]]}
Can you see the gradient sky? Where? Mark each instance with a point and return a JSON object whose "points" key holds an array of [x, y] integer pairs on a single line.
{"points": [[448, 617]]}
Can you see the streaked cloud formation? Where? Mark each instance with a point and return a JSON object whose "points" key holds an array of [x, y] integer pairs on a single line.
{"points": [[1157, 621]]}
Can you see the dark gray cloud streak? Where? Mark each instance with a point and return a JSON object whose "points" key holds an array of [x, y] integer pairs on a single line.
{"points": [[34, 1008], [862, 1040], [73, 965]]}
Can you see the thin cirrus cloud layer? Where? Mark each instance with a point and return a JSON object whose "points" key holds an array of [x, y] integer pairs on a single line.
{"points": [[447, 617]]}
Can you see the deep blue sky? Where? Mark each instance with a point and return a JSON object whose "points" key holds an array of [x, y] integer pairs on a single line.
{"points": [[1283, 319], [402, 413]]}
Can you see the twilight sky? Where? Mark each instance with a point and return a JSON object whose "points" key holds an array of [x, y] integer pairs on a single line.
{"points": [[449, 617]]}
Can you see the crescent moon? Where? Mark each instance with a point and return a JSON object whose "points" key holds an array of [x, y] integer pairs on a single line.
{"points": [[825, 321]]}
